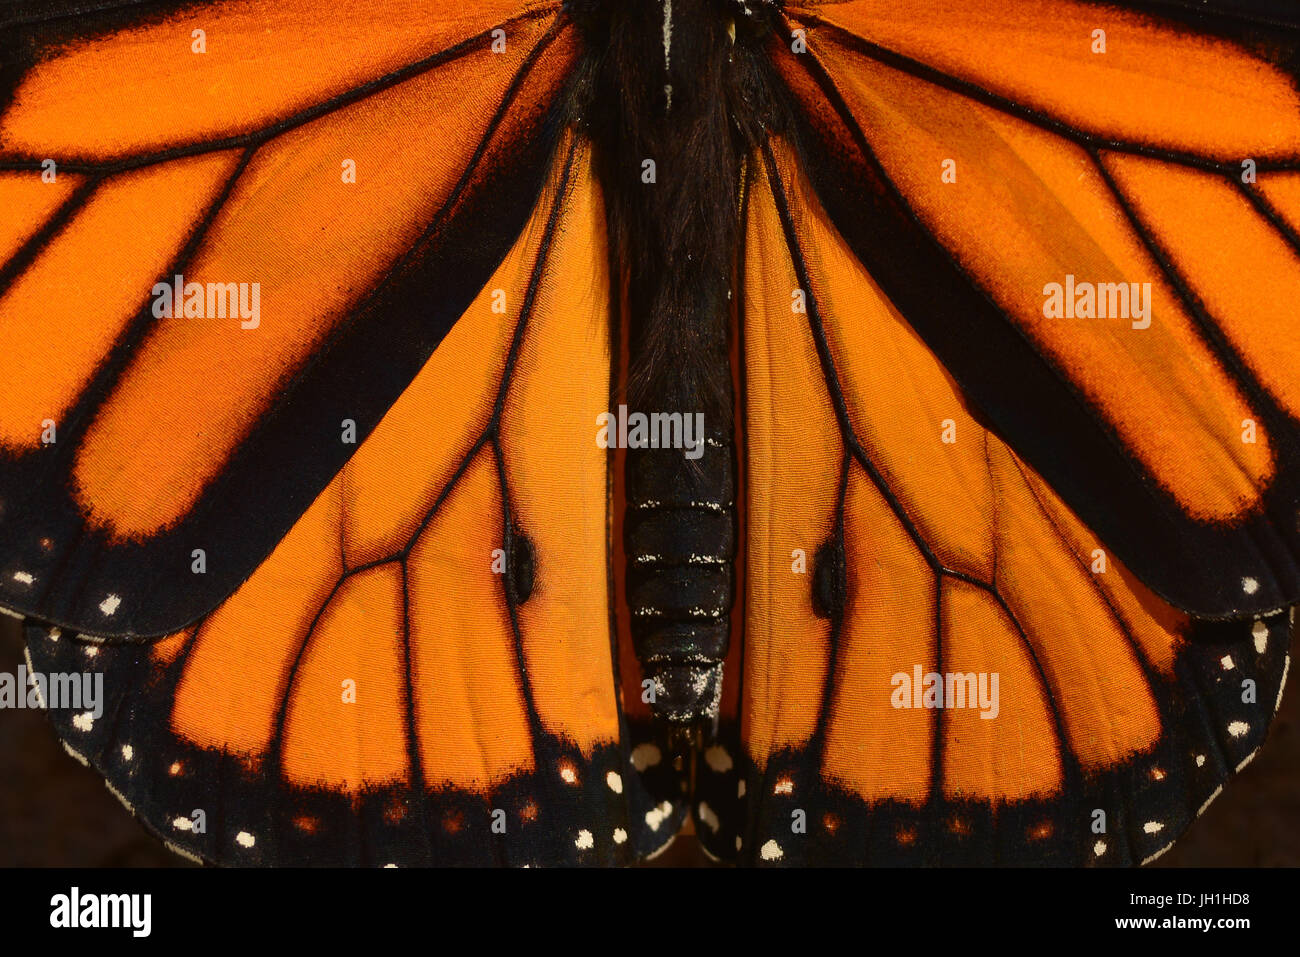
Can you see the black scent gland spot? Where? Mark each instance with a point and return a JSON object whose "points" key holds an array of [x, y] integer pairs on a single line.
{"points": [[829, 584], [519, 569]]}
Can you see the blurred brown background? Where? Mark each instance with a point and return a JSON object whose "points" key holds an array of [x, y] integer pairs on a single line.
{"points": [[54, 811]]}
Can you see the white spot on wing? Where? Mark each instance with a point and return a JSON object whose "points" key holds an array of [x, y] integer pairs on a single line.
{"points": [[128, 752], [1238, 729], [1099, 848], [656, 816], [718, 759], [182, 824], [1153, 827], [84, 721], [1226, 661], [585, 841], [109, 604], [244, 839], [615, 782], [1259, 631], [708, 817], [23, 578], [771, 851], [620, 835], [645, 756], [1249, 585], [1200, 760]]}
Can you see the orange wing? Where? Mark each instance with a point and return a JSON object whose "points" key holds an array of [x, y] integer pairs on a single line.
{"points": [[368, 521], [220, 280], [947, 657], [422, 670], [1056, 181], [943, 664]]}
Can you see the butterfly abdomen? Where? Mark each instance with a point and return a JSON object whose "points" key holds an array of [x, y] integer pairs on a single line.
{"points": [[662, 101], [679, 537]]}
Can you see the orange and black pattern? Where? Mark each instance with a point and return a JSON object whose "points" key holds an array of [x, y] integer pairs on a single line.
{"points": [[1115, 716], [1014, 562], [323, 700], [1110, 167]]}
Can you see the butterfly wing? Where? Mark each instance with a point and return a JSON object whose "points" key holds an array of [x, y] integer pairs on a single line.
{"points": [[894, 539], [1012, 150], [422, 670], [352, 180], [392, 650]]}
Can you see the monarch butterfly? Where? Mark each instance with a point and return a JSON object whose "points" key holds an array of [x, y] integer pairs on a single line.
{"points": [[490, 433]]}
